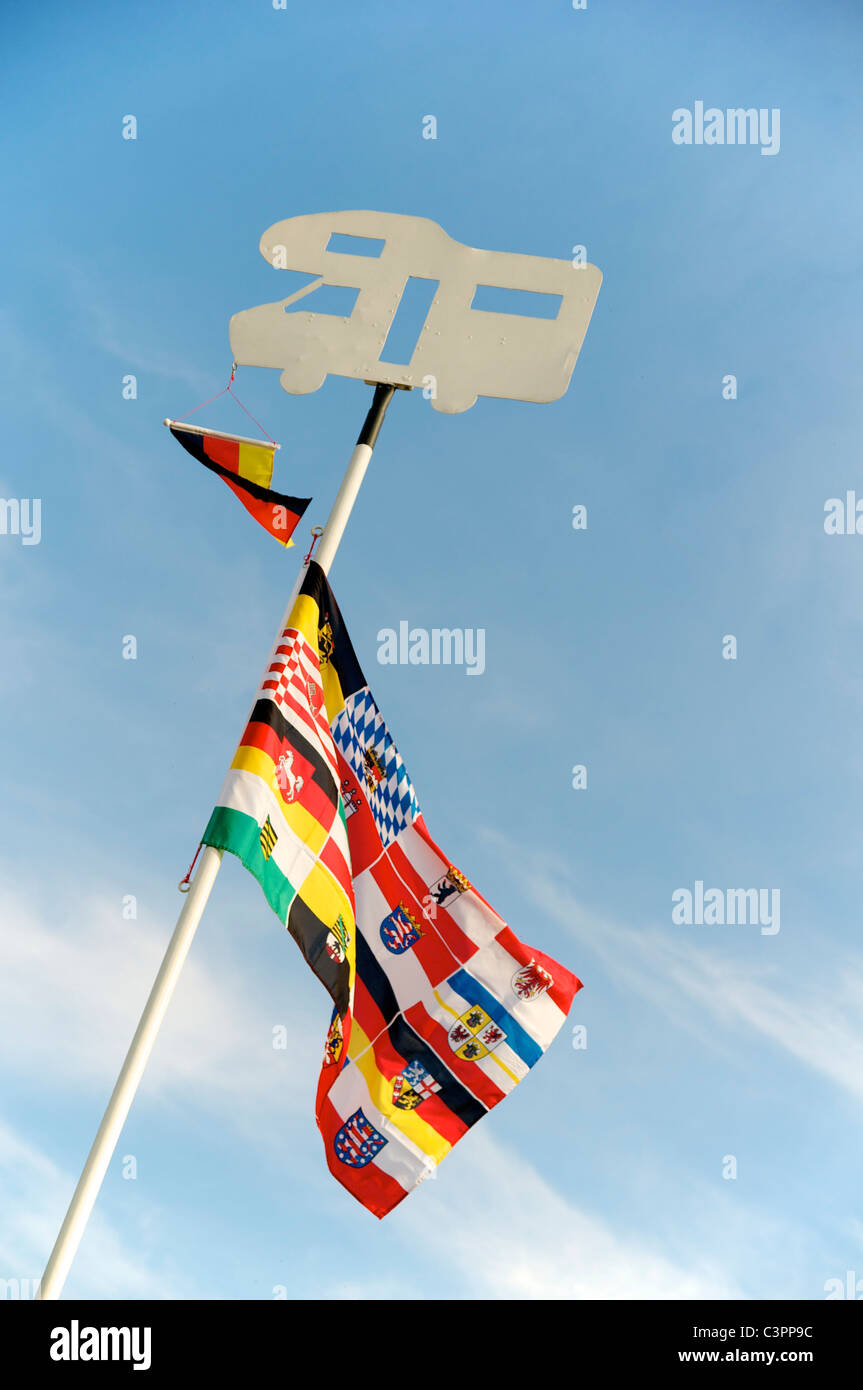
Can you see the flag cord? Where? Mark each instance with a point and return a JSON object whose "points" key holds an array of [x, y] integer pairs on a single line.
{"points": [[317, 532], [184, 885], [235, 397], [194, 903]]}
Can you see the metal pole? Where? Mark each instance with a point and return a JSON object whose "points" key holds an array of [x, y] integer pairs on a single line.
{"points": [[356, 471], [83, 1200]]}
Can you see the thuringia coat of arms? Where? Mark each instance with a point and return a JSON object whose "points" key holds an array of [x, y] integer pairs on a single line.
{"points": [[357, 1141]]}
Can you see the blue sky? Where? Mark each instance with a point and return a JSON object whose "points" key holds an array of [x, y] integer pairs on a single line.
{"points": [[602, 1175]]}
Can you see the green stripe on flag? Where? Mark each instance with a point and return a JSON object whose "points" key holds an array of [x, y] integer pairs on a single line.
{"points": [[240, 834]]}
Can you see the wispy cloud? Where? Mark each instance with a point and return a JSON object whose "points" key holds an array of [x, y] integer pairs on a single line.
{"points": [[75, 979], [128, 342], [35, 1192], [515, 1237], [819, 1022]]}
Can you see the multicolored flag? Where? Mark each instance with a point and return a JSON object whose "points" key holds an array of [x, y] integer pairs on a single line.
{"points": [[246, 465], [279, 809], [440, 1009]]}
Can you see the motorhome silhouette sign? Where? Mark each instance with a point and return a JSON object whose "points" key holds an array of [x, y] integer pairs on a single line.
{"points": [[515, 349]]}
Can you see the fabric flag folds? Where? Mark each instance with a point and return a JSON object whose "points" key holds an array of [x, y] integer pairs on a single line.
{"points": [[279, 809], [247, 468], [439, 1009]]}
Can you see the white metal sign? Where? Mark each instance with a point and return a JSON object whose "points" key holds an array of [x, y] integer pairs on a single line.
{"points": [[462, 352]]}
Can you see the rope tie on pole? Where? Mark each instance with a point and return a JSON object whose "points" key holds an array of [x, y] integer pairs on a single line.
{"points": [[185, 883], [317, 532]]}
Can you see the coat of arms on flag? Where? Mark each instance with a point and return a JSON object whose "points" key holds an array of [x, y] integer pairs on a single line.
{"points": [[400, 930], [357, 1141], [334, 1044], [412, 1086], [288, 776], [449, 886], [374, 773], [268, 838], [325, 640], [475, 1035], [350, 796], [338, 941], [531, 981]]}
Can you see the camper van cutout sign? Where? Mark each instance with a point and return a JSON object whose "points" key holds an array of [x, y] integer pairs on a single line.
{"points": [[461, 352]]}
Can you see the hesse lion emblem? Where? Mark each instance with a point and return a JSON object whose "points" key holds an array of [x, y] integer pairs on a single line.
{"points": [[357, 1141], [531, 981], [400, 930]]}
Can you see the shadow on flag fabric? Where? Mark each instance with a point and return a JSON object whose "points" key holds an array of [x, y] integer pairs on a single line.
{"points": [[247, 467], [440, 1010]]}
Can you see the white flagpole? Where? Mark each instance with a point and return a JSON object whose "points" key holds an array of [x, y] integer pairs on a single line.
{"points": [[83, 1200]]}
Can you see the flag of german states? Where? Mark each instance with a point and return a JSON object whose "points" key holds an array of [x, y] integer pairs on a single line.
{"points": [[279, 810], [450, 1009]]}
